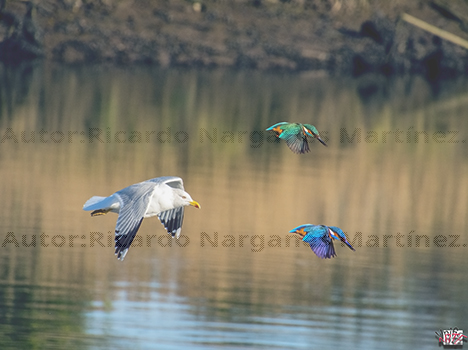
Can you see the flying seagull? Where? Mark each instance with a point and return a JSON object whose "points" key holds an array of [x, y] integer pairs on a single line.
{"points": [[163, 196]]}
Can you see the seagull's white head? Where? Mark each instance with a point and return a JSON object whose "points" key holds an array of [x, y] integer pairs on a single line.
{"points": [[182, 199]]}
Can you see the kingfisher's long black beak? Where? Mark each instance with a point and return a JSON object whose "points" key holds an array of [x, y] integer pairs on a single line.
{"points": [[344, 240], [321, 141]]}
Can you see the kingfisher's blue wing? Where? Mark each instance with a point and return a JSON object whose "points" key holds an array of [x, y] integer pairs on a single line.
{"points": [[296, 142], [295, 137], [321, 245]]}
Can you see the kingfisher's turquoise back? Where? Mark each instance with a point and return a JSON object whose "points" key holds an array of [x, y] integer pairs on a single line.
{"points": [[314, 231], [290, 130]]}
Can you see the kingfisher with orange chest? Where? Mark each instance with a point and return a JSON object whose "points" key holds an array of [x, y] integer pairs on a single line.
{"points": [[295, 135], [320, 238]]}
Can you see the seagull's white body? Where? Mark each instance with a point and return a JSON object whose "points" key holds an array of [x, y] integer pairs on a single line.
{"points": [[162, 196], [164, 200]]}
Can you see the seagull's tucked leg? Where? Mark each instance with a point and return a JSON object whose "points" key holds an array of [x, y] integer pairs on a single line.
{"points": [[100, 212]]}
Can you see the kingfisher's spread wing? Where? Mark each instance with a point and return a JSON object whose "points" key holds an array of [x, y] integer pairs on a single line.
{"points": [[322, 247], [321, 243], [297, 142]]}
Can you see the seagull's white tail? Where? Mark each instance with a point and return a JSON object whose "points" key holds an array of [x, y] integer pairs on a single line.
{"points": [[92, 201], [97, 202]]}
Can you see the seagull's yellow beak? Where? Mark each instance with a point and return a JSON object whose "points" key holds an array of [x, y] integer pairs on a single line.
{"points": [[195, 204]]}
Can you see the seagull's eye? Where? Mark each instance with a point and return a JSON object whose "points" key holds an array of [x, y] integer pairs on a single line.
{"points": [[184, 197]]}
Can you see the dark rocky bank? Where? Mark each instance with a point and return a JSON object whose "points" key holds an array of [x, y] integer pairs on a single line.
{"points": [[340, 36]]}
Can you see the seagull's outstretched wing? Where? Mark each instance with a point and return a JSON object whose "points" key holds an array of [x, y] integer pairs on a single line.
{"points": [[172, 220], [171, 181], [134, 202]]}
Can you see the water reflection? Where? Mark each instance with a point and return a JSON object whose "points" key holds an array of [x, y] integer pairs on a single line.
{"points": [[391, 178]]}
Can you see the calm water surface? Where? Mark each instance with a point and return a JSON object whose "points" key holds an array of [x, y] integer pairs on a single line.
{"points": [[394, 178]]}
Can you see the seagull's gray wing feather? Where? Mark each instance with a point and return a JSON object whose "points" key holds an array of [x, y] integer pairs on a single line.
{"points": [[172, 220], [134, 202], [171, 181]]}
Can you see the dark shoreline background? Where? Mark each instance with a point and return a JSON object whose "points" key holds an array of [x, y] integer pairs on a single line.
{"points": [[351, 37]]}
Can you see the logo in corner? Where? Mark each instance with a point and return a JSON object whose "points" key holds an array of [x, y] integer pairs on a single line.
{"points": [[452, 338]]}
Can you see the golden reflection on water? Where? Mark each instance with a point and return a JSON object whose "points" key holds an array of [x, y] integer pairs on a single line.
{"points": [[98, 130]]}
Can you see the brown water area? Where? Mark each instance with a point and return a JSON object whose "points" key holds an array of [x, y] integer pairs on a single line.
{"points": [[393, 177]]}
